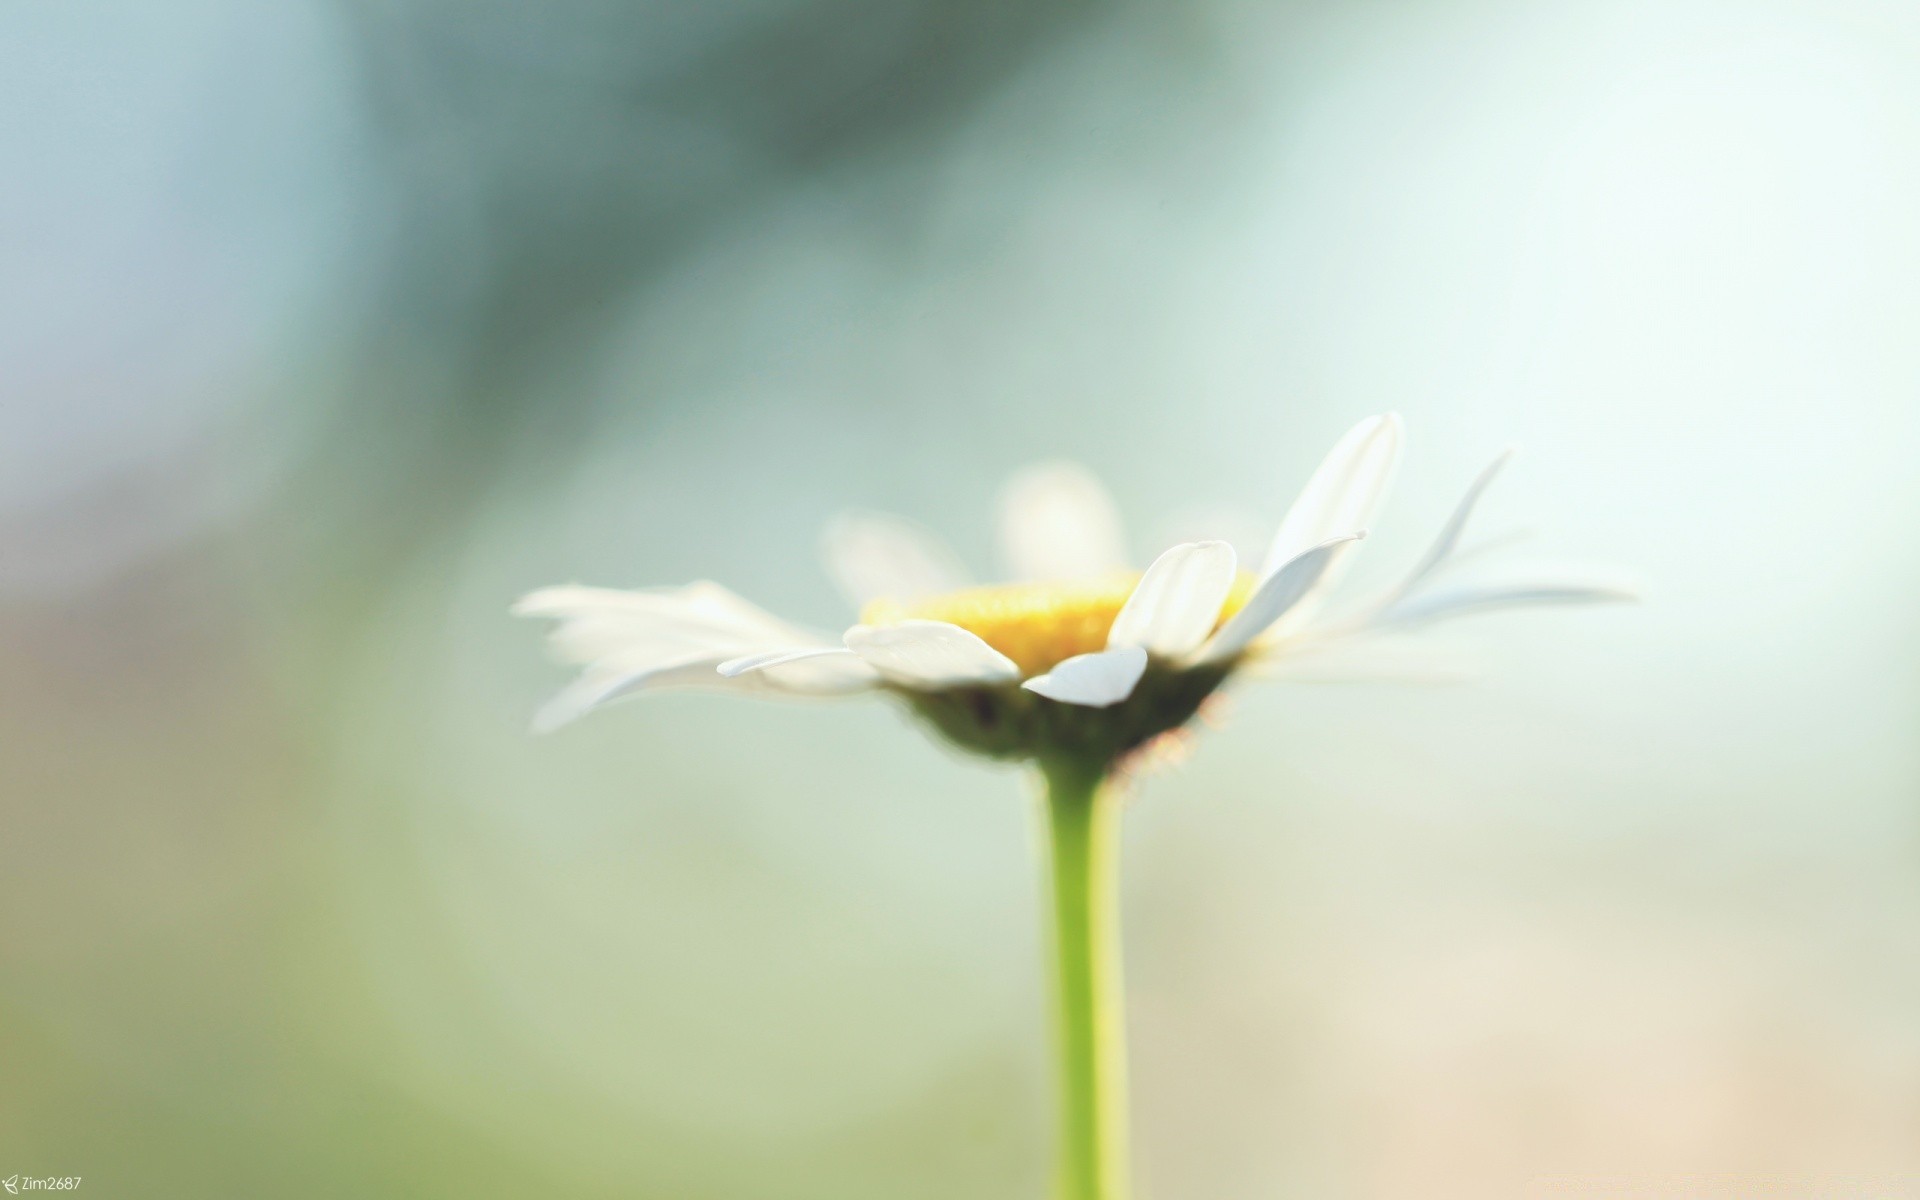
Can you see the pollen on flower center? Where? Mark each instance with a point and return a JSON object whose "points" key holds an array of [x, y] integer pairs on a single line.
{"points": [[1035, 624]]}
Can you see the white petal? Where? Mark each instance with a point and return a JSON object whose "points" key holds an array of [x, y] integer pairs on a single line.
{"points": [[930, 654], [637, 641], [598, 639], [1449, 538], [1176, 603], [811, 671], [1094, 680], [871, 555], [568, 599], [597, 688], [602, 684], [1463, 601], [749, 663], [658, 625], [1275, 597], [1058, 522], [701, 600], [821, 675], [1343, 493]]}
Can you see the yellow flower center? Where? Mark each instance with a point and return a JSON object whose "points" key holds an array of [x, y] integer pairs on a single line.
{"points": [[1036, 624]]}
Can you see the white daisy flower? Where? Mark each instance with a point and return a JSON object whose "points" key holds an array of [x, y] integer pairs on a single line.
{"points": [[1080, 657], [1075, 666]]}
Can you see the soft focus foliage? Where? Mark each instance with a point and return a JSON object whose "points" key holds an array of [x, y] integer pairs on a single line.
{"points": [[329, 328]]}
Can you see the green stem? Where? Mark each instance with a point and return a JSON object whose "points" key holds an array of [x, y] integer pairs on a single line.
{"points": [[1089, 1031]]}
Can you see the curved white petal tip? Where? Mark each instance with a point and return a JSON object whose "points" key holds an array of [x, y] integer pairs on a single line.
{"points": [[597, 688], [1344, 492], [557, 600], [1464, 601], [1177, 602], [1098, 680], [1276, 596], [930, 654], [1447, 542]]}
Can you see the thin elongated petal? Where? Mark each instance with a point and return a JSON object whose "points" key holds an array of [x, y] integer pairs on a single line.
{"points": [[675, 638], [1275, 597], [821, 675], [1458, 602], [1057, 522], [662, 625], [702, 602], [1094, 680], [749, 663], [1448, 540], [871, 555], [1344, 492], [930, 654], [1177, 602], [597, 688], [595, 639], [808, 674]]}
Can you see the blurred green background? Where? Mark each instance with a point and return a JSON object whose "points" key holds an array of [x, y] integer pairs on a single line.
{"points": [[326, 329]]}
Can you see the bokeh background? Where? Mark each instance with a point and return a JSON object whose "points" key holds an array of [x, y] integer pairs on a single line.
{"points": [[326, 329]]}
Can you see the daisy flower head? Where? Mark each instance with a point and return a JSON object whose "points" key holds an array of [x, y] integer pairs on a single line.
{"points": [[1079, 657]]}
